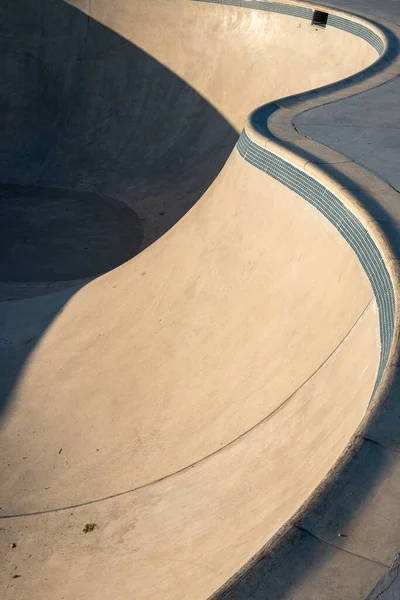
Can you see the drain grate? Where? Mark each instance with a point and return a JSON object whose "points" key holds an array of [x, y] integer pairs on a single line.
{"points": [[319, 18]]}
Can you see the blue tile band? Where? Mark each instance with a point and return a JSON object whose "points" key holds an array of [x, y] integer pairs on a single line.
{"points": [[345, 222], [319, 196], [359, 30]]}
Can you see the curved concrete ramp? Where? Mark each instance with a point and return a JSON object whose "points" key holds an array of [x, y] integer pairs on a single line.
{"points": [[183, 406]]}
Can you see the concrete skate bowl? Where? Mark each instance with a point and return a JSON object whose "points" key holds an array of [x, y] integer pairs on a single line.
{"points": [[189, 401]]}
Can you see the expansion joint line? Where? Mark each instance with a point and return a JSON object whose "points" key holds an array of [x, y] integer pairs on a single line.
{"points": [[331, 545], [204, 458]]}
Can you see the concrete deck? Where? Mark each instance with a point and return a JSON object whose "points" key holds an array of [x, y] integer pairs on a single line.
{"points": [[206, 404]]}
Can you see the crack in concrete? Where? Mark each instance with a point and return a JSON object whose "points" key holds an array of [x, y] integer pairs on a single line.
{"points": [[380, 595], [331, 545]]}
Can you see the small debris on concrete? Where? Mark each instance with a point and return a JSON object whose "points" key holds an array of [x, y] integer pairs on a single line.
{"points": [[342, 535], [89, 527], [13, 545], [16, 576], [60, 450]]}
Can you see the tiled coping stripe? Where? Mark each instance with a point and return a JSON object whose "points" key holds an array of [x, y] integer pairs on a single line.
{"points": [[318, 195], [345, 222]]}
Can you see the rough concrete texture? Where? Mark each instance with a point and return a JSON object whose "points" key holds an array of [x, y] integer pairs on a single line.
{"points": [[161, 423]]}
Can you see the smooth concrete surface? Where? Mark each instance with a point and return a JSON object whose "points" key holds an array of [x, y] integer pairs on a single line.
{"points": [[357, 514], [363, 128], [358, 133], [137, 110], [191, 400], [202, 394], [59, 235]]}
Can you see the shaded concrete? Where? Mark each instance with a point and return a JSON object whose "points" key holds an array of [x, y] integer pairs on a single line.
{"points": [[276, 575], [90, 119], [57, 235], [188, 402], [389, 586]]}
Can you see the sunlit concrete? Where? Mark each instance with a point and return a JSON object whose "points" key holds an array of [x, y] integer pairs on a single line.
{"points": [[189, 401]]}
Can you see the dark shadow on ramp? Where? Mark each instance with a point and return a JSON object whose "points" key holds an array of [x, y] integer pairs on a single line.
{"points": [[103, 149]]}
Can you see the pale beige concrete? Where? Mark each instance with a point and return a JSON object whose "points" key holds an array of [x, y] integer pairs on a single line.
{"points": [[186, 535], [275, 55], [204, 359], [191, 400]]}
